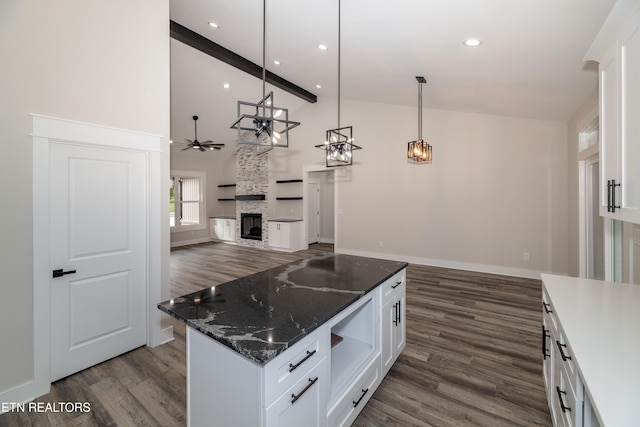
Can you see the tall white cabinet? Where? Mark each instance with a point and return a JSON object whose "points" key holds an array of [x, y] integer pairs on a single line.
{"points": [[617, 50]]}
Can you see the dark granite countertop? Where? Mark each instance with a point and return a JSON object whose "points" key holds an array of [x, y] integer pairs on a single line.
{"points": [[223, 217], [261, 315], [285, 220]]}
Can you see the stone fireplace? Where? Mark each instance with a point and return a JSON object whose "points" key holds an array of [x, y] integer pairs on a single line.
{"points": [[252, 186]]}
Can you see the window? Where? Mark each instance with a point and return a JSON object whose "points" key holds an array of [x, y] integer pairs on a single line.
{"points": [[186, 200]]}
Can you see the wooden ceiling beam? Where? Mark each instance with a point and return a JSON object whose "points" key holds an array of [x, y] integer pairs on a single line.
{"points": [[203, 44]]}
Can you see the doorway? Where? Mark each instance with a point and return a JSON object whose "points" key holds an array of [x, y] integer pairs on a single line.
{"points": [[319, 214], [110, 174]]}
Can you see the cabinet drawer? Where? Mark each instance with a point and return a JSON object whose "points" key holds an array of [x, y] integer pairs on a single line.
{"points": [[565, 360], [345, 411], [393, 286], [288, 368], [549, 313], [569, 403], [304, 403]]}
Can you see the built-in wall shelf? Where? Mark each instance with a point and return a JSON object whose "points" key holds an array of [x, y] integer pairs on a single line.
{"points": [[226, 185], [288, 181], [226, 200], [250, 197]]}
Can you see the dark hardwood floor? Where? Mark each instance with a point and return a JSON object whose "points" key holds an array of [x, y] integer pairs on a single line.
{"points": [[472, 356]]}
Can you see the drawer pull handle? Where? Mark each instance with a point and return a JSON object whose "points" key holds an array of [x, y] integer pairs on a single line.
{"points": [[546, 307], [293, 367], [295, 397], [364, 391], [545, 335], [564, 356], [562, 406], [399, 312], [396, 285]]}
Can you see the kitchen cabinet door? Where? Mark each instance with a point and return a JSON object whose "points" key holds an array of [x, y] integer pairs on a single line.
{"points": [[619, 73]]}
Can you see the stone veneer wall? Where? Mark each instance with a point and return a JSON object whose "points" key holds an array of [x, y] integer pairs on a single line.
{"points": [[252, 177]]}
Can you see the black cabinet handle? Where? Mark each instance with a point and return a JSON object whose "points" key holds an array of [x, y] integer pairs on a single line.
{"points": [[562, 405], [293, 367], [544, 343], [60, 273], [396, 285], [399, 312], [608, 195], [546, 308], [295, 397], [564, 356], [613, 195], [355, 403], [395, 314]]}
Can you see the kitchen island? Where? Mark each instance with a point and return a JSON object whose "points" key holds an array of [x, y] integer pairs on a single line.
{"points": [[591, 349], [305, 343]]}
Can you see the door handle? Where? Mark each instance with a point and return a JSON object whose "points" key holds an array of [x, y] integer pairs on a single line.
{"points": [[60, 273]]}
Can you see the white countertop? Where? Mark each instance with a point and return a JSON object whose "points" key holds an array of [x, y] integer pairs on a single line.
{"points": [[601, 321]]}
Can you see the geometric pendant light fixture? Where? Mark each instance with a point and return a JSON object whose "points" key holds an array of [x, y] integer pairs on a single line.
{"points": [[419, 151], [338, 144], [262, 123]]}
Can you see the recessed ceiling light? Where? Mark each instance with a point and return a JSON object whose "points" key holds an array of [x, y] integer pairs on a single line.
{"points": [[472, 42], [275, 61], [214, 25], [323, 47], [226, 85], [319, 86]]}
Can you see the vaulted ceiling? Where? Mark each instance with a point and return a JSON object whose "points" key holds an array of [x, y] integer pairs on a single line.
{"points": [[530, 63]]}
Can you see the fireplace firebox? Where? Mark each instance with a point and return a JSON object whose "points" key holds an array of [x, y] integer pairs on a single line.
{"points": [[251, 226]]}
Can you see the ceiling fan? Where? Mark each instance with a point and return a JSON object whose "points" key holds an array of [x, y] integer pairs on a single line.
{"points": [[197, 145]]}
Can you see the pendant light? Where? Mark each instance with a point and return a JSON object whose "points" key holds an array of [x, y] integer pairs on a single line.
{"points": [[262, 123], [419, 151], [338, 144]]}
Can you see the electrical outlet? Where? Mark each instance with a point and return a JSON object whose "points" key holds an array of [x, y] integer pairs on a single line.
{"points": [[526, 256], [380, 243]]}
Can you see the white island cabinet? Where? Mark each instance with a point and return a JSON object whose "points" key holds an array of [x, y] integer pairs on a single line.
{"points": [[310, 384], [303, 344], [591, 351]]}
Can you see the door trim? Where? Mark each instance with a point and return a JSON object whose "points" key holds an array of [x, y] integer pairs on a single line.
{"points": [[49, 129], [305, 210]]}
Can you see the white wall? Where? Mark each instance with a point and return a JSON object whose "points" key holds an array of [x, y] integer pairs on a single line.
{"points": [[103, 62], [497, 187]]}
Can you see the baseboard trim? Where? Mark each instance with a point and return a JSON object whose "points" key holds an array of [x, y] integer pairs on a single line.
{"points": [[190, 242], [22, 394], [482, 268]]}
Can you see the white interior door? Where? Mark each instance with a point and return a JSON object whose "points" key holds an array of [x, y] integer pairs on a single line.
{"points": [[313, 212], [98, 241]]}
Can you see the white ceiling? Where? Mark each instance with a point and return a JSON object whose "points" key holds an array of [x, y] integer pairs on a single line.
{"points": [[530, 64]]}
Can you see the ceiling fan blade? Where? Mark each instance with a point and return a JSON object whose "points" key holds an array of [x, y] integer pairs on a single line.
{"points": [[189, 141], [206, 142], [186, 148], [201, 149]]}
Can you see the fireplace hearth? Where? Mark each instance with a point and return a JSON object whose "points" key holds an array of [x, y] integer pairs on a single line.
{"points": [[251, 226]]}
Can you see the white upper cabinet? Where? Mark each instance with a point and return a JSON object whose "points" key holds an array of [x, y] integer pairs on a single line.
{"points": [[617, 50]]}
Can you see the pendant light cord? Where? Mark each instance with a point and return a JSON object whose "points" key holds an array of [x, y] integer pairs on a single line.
{"points": [[264, 49], [339, 26], [419, 111]]}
